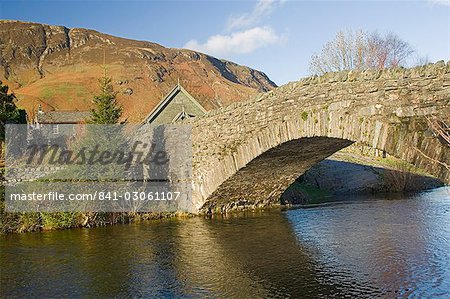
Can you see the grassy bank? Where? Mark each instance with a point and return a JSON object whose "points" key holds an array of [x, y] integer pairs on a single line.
{"points": [[352, 172], [38, 221], [304, 193]]}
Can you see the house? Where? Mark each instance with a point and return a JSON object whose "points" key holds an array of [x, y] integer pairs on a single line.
{"points": [[59, 124], [176, 106]]}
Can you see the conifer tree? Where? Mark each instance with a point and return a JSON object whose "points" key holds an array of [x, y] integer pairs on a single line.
{"points": [[106, 109], [8, 110]]}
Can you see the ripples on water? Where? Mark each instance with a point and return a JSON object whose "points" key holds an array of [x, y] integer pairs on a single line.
{"points": [[381, 248], [384, 247]]}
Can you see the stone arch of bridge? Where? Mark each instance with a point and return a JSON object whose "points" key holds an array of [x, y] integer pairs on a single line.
{"points": [[260, 169]]}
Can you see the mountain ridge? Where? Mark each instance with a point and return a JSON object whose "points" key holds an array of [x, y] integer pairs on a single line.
{"points": [[58, 68]]}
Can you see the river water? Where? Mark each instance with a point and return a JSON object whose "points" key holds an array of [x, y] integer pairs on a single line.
{"points": [[359, 248]]}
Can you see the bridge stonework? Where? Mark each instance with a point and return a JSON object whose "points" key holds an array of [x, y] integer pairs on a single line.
{"points": [[248, 153]]}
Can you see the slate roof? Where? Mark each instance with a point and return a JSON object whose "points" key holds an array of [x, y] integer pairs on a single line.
{"points": [[169, 97], [63, 117]]}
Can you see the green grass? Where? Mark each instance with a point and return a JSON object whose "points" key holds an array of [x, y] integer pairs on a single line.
{"points": [[47, 93], [398, 164], [314, 194], [311, 193], [19, 222], [63, 90], [60, 220]]}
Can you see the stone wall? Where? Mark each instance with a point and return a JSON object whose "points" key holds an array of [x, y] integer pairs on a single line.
{"points": [[28, 174], [249, 152]]}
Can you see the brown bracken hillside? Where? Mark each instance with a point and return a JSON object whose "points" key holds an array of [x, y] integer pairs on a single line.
{"points": [[59, 68]]}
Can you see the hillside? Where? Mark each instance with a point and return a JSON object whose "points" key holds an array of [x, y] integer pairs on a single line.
{"points": [[59, 68]]}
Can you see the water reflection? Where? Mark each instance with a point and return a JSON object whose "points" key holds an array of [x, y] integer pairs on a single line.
{"points": [[365, 249], [257, 256], [399, 247]]}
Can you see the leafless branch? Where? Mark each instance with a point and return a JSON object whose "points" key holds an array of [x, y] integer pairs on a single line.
{"points": [[440, 127], [431, 159], [361, 50]]}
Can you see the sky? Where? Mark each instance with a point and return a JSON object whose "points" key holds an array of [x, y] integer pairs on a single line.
{"points": [[277, 37]]}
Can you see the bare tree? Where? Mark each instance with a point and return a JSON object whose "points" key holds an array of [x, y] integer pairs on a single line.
{"points": [[361, 50], [397, 50], [421, 60], [343, 53], [439, 124]]}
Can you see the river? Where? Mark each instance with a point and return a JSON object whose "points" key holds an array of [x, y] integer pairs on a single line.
{"points": [[359, 248]]}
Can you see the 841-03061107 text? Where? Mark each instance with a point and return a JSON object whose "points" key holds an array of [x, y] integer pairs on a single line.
{"points": [[97, 195]]}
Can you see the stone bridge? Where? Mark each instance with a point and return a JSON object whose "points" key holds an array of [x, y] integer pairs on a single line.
{"points": [[248, 153]]}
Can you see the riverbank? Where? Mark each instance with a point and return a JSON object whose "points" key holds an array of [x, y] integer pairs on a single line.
{"points": [[43, 221], [351, 173], [347, 173]]}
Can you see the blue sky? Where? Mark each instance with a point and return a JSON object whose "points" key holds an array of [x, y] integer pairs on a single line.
{"points": [[277, 37]]}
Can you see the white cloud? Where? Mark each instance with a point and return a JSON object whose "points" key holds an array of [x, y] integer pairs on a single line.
{"points": [[241, 42], [262, 9], [444, 2], [243, 35]]}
